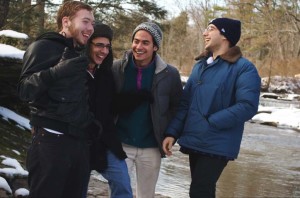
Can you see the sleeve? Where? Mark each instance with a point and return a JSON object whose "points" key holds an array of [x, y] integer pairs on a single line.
{"points": [[176, 125], [176, 92], [40, 70], [35, 79]]}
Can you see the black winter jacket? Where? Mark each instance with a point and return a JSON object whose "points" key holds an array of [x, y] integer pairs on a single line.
{"points": [[102, 91], [56, 89]]}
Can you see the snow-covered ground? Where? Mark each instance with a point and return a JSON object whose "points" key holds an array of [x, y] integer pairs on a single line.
{"points": [[13, 34], [14, 169], [8, 51]]}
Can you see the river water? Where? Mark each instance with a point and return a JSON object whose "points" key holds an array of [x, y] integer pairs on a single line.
{"points": [[268, 166]]}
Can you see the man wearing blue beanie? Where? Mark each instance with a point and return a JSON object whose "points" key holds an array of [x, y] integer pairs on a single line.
{"points": [[221, 94], [229, 28]]}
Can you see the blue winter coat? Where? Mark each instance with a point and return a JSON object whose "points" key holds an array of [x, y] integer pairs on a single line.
{"points": [[216, 102]]}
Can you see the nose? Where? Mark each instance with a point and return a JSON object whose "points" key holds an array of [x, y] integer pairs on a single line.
{"points": [[105, 50], [139, 45]]}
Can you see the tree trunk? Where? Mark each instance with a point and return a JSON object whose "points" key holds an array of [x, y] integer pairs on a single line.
{"points": [[40, 9], [26, 19], [4, 7]]}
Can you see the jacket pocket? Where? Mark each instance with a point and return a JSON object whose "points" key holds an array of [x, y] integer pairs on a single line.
{"points": [[208, 98]]}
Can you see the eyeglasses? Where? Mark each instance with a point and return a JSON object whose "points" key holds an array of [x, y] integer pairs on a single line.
{"points": [[102, 46], [209, 29]]}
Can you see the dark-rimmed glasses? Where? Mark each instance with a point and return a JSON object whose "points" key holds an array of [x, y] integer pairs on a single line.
{"points": [[102, 46]]}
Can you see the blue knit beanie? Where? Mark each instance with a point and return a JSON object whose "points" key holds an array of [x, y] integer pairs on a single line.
{"points": [[230, 28]]}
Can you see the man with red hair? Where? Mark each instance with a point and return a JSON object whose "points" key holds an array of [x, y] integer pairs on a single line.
{"points": [[53, 81]]}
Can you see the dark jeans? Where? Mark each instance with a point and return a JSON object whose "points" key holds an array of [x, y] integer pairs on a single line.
{"points": [[57, 165], [205, 172]]}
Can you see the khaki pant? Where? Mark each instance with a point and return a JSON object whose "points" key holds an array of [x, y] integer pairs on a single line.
{"points": [[143, 166]]}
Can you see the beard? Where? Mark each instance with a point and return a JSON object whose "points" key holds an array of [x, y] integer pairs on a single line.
{"points": [[75, 33]]}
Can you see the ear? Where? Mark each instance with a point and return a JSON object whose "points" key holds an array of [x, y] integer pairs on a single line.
{"points": [[155, 48], [223, 37], [65, 22]]}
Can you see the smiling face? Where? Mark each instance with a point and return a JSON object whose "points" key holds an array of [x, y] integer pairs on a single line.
{"points": [[213, 38], [99, 49], [143, 48], [80, 27]]}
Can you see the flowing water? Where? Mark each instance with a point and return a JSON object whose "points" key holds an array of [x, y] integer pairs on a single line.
{"points": [[268, 166]]}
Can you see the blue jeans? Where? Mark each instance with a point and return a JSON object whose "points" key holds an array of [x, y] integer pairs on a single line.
{"points": [[117, 176]]}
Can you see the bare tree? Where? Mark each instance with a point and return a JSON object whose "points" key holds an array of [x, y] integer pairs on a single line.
{"points": [[175, 45], [4, 8], [40, 16], [26, 5]]}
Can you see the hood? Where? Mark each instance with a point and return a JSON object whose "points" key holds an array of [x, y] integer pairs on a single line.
{"points": [[54, 36]]}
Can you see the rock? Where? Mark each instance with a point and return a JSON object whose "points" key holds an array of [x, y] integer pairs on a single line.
{"points": [[3, 193], [21, 192], [19, 183], [4, 185]]}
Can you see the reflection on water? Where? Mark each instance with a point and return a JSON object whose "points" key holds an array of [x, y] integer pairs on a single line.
{"points": [[268, 166]]}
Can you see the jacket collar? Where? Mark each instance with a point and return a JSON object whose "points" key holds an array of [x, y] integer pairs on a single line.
{"points": [[160, 64], [231, 56]]}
